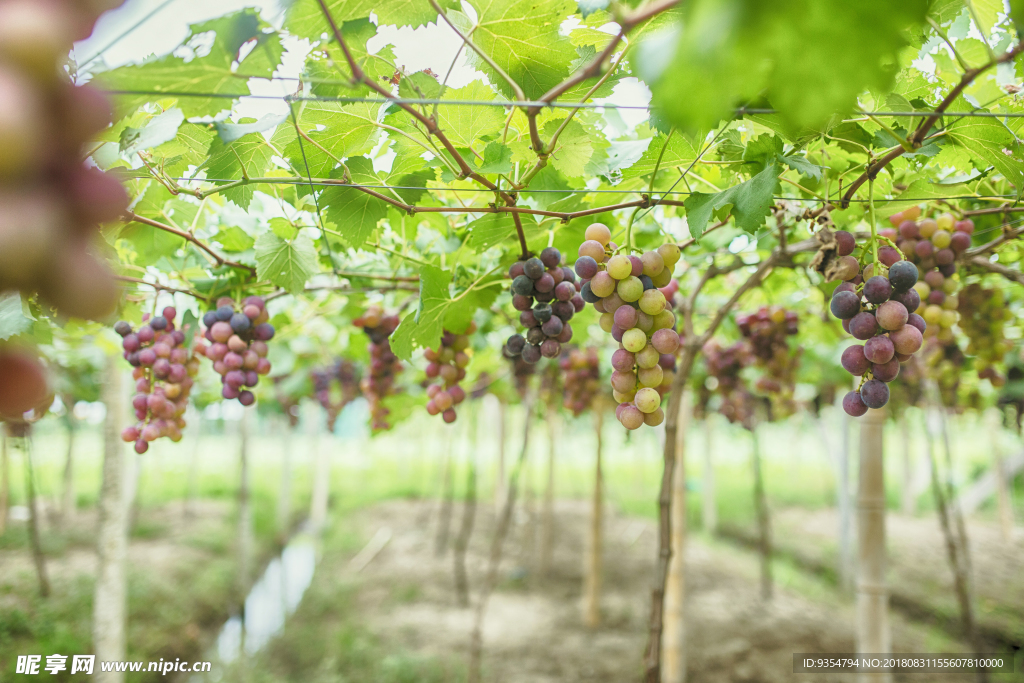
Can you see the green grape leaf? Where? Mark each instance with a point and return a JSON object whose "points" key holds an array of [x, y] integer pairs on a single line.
{"points": [[283, 228], [802, 165], [463, 124], [354, 213], [287, 264], [987, 13], [523, 37], [750, 201], [265, 57], [247, 157], [159, 130], [337, 131], [305, 19], [588, 7], [990, 141], [496, 228], [423, 327], [573, 149], [234, 240], [13, 320], [497, 159], [229, 132], [680, 152]]}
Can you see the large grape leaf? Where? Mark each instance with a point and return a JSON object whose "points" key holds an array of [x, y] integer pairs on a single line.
{"points": [[496, 228], [680, 152], [464, 125], [991, 142], [13, 320], [355, 214], [573, 149], [337, 131], [286, 263], [423, 327], [247, 157], [523, 37], [750, 201], [306, 19]]}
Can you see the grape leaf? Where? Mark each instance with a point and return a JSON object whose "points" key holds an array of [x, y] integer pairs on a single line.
{"points": [[337, 131], [247, 157], [588, 7], [287, 264], [750, 200], [354, 213], [680, 152], [496, 228], [802, 165], [991, 142], [423, 327], [463, 124], [305, 19], [229, 132], [234, 239], [497, 159], [12, 317], [573, 148], [159, 130]]}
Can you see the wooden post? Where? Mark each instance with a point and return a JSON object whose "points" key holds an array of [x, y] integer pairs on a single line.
{"points": [[110, 595], [845, 509], [595, 540], [673, 636], [907, 497], [709, 507], [38, 559], [873, 635], [547, 541], [245, 530]]}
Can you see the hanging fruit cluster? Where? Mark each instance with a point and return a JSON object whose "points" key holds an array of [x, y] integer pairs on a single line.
{"points": [[725, 366], [345, 374], [51, 204], [384, 364], [876, 307], [238, 345], [582, 375], [546, 295], [625, 290], [448, 365], [164, 369], [766, 331], [983, 318]]}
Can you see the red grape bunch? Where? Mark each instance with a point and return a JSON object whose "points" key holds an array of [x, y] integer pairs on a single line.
{"points": [[51, 203], [447, 364], [983, 316], [878, 309], [582, 368], [625, 290], [546, 295], [384, 364], [766, 332], [238, 345], [164, 369], [343, 372], [725, 366]]}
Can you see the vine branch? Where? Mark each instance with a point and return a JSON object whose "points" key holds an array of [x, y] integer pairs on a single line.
{"points": [[130, 217]]}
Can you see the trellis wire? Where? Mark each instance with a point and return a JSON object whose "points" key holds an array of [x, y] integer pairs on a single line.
{"points": [[344, 99]]}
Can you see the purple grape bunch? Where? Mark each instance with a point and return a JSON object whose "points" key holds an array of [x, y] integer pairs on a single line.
{"points": [[547, 296]]}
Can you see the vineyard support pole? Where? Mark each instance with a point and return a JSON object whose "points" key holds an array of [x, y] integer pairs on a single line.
{"points": [[547, 539], [846, 561], [595, 539], [764, 528], [110, 593], [873, 635], [709, 506], [673, 638]]}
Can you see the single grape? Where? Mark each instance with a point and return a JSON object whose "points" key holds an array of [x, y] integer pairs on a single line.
{"points": [[666, 341], [863, 325], [533, 268], [623, 360], [846, 268], [887, 372], [631, 418], [910, 299], [523, 286], [634, 340], [877, 289], [598, 232], [875, 393], [551, 257], [845, 242], [516, 343], [909, 338], [854, 361], [647, 400], [891, 315], [844, 304], [888, 255], [917, 321], [603, 284], [630, 289], [879, 349], [854, 405], [626, 317], [586, 267], [531, 353]]}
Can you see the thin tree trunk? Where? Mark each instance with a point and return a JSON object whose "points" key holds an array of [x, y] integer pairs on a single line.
{"points": [[192, 485], [322, 477], [1002, 487], [446, 496], [5, 482], [845, 509], [956, 549], [709, 506], [38, 558], [284, 496], [547, 539], [595, 541], [245, 515], [466, 526], [652, 655], [958, 515], [907, 497], [499, 480], [673, 647], [110, 595], [494, 559], [68, 503], [873, 635], [764, 530]]}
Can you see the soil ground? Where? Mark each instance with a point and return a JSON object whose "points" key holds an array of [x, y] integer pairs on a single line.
{"points": [[534, 631]]}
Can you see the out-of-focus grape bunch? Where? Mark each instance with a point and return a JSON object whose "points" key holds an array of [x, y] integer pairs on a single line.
{"points": [[163, 370], [379, 383], [582, 379], [983, 317], [26, 386], [51, 203], [447, 365], [521, 374], [343, 373], [877, 307], [546, 295], [725, 366], [625, 290], [238, 345], [767, 331]]}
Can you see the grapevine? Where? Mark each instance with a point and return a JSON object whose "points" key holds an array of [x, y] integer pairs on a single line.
{"points": [[582, 375], [447, 364], [238, 345], [379, 382], [345, 374]]}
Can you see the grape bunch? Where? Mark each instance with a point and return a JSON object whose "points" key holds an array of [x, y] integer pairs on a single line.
{"points": [[625, 290], [931, 243], [876, 308], [163, 370], [725, 366], [447, 364], [26, 385], [384, 364], [546, 295], [343, 372], [983, 315], [238, 345], [582, 370], [51, 204], [766, 332]]}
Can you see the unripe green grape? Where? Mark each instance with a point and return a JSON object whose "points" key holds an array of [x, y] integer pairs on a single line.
{"points": [[664, 320], [602, 284], [949, 318], [598, 232], [593, 249], [650, 377], [647, 400], [648, 357], [655, 418], [653, 263], [630, 289], [663, 278], [634, 340], [652, 302], [606, 321], [927, 228], [669, 254], [619, 267], [944, 221], [941, 239], [645, 322], [623, 397]]}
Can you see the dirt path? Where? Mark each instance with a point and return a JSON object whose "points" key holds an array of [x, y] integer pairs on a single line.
{"points": [[534, 632]]}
